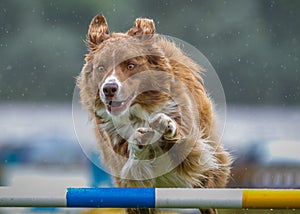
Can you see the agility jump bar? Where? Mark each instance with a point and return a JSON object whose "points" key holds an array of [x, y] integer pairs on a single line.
{"points": [[153, 198]]}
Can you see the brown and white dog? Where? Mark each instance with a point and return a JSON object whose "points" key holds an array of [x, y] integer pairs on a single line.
{"points": [[152, 116]]}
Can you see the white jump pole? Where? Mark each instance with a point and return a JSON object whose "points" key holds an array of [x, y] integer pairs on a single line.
{"points": [[153, 198]]}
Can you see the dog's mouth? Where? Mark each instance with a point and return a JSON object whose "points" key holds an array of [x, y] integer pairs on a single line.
{"points": [[115, 107]]}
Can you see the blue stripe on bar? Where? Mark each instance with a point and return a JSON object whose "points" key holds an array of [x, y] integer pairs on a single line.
{"points": [[111, 197]]}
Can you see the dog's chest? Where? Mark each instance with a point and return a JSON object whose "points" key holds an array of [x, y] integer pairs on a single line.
{"points": [[136, 117]]}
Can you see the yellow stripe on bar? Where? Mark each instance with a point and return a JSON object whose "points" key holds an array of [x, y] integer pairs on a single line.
{"points": [[271, 198]]}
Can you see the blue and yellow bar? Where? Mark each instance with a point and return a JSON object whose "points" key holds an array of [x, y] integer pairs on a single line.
{"points": [[152, 198]]}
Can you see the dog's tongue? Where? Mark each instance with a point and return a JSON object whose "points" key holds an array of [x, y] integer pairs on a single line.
{"points": [[115, 107], [115, 103]]}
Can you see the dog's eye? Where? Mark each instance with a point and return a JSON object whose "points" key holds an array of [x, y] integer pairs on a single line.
{"points": [[101, 68], [130, 66]]}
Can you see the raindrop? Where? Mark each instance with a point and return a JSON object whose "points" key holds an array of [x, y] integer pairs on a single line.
{"points": [[283, 67]]}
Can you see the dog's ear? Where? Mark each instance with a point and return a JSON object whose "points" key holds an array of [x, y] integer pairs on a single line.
{"points": [[98, 32], [141, 27]]}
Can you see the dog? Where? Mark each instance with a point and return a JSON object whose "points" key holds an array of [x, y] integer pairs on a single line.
{"points": [[153, 118]]}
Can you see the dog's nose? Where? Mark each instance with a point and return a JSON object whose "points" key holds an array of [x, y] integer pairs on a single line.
{"points": [[110, 89]]}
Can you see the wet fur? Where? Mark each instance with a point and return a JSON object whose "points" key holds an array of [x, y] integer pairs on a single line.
{"points": [[207, 165]]}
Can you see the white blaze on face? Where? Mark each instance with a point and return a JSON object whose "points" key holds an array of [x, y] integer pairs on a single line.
{"points": [[110, 79], [118, 101]]}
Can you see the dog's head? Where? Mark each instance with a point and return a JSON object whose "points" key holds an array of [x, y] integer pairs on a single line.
{"points": [[113, 77]]}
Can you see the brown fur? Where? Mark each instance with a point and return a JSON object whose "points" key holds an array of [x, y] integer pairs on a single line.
{"points": [[194, 171]]}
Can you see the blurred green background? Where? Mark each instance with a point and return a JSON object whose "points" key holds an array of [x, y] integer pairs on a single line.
{"points": [[253, 45]]}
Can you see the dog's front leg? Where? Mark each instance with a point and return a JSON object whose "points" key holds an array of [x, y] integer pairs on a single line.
{"points": [[138, 170], [164, 125]]}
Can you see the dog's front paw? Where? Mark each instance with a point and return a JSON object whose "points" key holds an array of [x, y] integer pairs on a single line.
{"points": [[139, 141], [164, 125]]}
